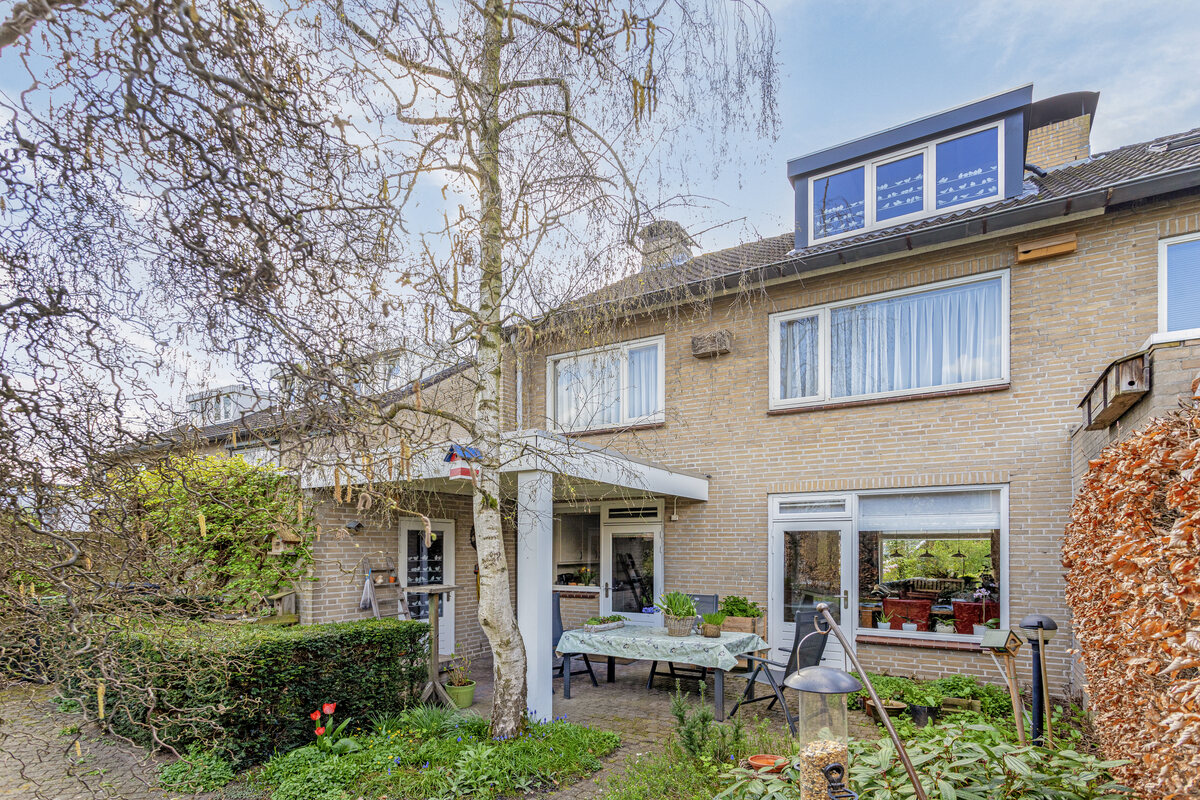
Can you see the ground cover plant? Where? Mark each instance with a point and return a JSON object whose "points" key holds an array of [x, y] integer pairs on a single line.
{"points": [[433, 752], [965, 754], [1132, 553]]}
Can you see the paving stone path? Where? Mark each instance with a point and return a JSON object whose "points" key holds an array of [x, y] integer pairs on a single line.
{"points": [[39, 761]]}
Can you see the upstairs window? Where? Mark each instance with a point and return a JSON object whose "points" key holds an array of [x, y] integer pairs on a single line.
{"points": [[953, 172], [952, 335], [1179, 285], [607, 387]]}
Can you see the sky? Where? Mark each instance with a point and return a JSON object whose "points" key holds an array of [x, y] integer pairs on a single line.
{"points": [[854, 68]]}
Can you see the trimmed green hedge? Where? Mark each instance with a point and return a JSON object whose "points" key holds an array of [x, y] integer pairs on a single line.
{"points": [[248, 690]]}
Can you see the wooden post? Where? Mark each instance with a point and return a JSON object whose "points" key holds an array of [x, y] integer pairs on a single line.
{"points": [[1010, 670], [434, 687]]}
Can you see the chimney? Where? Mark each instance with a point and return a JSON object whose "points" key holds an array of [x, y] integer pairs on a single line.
{"points": [[665, 244], [1060, 130]]}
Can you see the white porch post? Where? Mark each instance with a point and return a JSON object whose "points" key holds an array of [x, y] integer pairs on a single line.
{"points": [[535, 579]]}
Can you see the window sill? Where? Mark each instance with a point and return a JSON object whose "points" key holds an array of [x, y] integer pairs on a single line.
{"points": [[641, 426], [582, 592], [1171, 337], [874, 401], [965, 645]]}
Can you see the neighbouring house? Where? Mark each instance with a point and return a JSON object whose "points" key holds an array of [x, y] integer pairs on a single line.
{"points": [[879, 409]]}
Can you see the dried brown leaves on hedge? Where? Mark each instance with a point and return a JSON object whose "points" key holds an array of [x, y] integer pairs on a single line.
{"points": [[1132, 553]]}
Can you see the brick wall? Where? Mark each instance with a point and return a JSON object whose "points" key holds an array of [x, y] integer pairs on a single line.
{"points": [[339, 557], [1070, 316], [1060, 143]]}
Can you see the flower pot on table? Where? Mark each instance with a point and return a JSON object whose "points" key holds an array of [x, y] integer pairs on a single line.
{"points": [[710, 631], [755, 625], [679, 626]]}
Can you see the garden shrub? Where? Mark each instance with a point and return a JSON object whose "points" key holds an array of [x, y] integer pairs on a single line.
{"points": [[200, 770], [248, 690], [1132, 554]]}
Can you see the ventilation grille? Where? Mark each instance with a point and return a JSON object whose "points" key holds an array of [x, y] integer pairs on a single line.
{"points": [[633, 512]]}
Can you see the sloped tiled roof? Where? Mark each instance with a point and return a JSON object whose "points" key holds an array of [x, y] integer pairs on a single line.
{"points": [[274, 418], [1102, 171]]}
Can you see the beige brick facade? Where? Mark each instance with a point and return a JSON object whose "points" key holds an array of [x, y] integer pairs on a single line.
{"points": [[1059, 143], [1070, 316]]}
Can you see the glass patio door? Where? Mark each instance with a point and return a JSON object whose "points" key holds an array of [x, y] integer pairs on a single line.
{"points": [[811, 564], [631, 571]]}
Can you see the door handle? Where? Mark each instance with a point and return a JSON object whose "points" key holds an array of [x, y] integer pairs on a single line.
{"points": [[606, 588], [846, 599]]}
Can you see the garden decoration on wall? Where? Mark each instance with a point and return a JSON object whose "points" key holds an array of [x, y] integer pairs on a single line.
{"points": [[1132, 554]]}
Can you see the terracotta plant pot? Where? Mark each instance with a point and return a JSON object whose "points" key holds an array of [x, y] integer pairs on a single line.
{"points": [[768, 762], [463, 696]]}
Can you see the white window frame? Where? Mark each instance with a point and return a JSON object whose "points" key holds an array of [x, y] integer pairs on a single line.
{"points": [[1164, 334], [929, 206], [825, 367], [775, 582], [623, 348]]}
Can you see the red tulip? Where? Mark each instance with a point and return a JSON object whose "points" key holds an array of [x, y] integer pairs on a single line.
{"points": [[320, 730], [316, 715], [329, 708]]}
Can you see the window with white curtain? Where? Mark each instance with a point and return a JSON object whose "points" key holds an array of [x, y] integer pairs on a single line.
{"points": [[1179, 285], [951, 335], [607, 387]]}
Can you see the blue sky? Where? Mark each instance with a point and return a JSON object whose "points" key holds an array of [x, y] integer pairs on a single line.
{"points": [[849, 69]]}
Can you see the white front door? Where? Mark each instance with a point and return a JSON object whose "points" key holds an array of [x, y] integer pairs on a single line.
{"points": [[430, 564], [810, 563], [631, 571]]}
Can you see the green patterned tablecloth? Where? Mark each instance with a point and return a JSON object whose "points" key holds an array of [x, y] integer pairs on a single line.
{"points": [[653, 644]]}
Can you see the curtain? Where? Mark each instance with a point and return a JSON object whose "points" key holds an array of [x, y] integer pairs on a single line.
{"points": [[937, 338], [798, 340], [643, 382], [588, 391]]}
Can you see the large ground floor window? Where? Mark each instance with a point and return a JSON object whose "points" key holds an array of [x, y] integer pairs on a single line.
{"points": [[928, 563]]}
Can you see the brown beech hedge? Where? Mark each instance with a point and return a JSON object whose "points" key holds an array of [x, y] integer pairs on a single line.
{"points": [[1132, 554]]}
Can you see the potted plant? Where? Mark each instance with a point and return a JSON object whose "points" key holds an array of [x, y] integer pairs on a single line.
{"points": [[885, 621], [992, 623], [597, 624], [945, 625], [679, 613], [711, 625], [905, 625], [459, 685], [741, 615], [924, 702]]}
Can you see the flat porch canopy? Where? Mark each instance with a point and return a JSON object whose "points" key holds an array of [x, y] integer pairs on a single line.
{"points": [[531, 461]]}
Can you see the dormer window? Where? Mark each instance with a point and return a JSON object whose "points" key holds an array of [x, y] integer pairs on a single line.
{"points": [[949, 173]]}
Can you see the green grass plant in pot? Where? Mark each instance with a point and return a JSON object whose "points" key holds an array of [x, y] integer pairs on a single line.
{"points": [[459, 685], [710, 625], [679, 612]]}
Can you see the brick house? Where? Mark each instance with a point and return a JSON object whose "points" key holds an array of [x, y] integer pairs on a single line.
{"points": [[879, 409]]}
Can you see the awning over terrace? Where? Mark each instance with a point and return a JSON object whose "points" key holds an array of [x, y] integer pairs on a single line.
{"points": [[535, 467]]}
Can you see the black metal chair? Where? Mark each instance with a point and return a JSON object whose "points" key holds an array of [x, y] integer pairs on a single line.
{"points": [[805, 652], [555, 635], [705, 604]]}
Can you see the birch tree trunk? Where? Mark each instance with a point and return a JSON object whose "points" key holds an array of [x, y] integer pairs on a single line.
{"points": [[495, 604]]}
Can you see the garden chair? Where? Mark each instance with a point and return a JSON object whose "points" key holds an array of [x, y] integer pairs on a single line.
{"points": [[805, 652], [555, 635], [705, 604]]}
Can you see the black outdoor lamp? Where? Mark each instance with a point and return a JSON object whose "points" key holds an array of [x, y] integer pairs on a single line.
{"points": [[1039, 629]]}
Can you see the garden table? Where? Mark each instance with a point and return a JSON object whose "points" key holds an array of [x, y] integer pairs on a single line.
{"points": [[644, 643]]}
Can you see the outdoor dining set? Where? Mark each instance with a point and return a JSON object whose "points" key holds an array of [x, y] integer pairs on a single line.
{"points": [[690, 656]]}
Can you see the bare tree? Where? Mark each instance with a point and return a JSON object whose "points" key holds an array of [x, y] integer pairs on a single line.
{"points": [[294, 187]]}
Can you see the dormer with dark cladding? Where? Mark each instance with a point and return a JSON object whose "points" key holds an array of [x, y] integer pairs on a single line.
{"points": [[968, 156]]}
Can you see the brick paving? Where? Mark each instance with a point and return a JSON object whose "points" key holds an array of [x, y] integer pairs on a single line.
{"points": [[38, 760]]}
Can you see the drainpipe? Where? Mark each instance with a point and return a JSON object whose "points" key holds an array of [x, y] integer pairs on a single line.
{"points": [[520, 399]]}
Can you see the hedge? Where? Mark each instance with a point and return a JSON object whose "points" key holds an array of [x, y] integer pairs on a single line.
{"points": [[248, 690], [1132, 553]]}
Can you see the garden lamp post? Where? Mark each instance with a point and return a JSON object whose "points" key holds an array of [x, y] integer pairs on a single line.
{"points": [[1039, 629]]}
